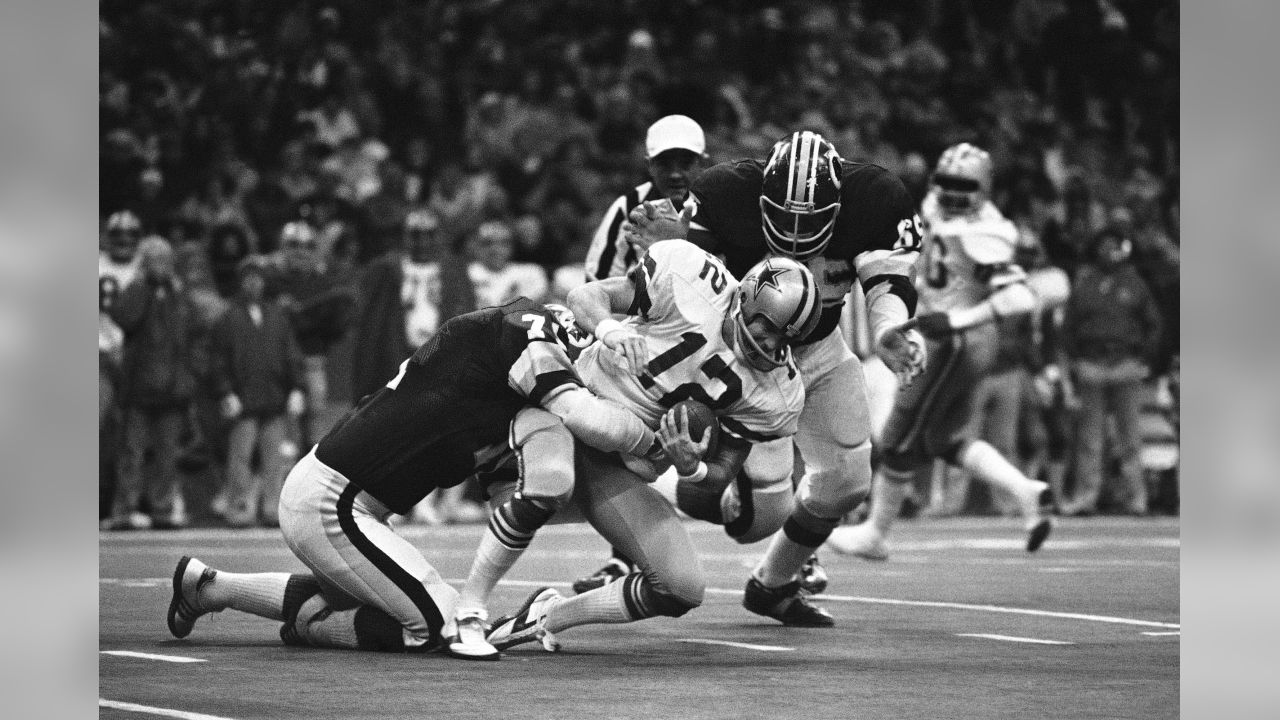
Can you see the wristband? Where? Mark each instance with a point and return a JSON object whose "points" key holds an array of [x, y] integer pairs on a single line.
{"points": [[606, 326], [696, 476]]}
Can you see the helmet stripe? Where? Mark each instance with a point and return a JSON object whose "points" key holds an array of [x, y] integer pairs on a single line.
{"points": [[791, 171], [802, 306]]}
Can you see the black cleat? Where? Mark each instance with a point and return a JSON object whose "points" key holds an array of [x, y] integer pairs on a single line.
{"points": [[184, 608], [612, 570], [788, 604]]}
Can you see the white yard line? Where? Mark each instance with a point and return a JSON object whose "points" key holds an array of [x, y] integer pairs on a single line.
{"points": [[745, 646], [152, 656], [1163, 634], [163, 712], [1011, 638]]}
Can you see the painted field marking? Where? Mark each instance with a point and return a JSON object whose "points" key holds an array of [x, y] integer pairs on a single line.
{"points": [[152, 656], [980, 608], [1161, 634], [1011, 638], [745, 646], [163, 712]]}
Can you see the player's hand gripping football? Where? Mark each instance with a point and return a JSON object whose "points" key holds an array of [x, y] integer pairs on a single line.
{"points": [[902, 350], [680, 448], [650, 222]]}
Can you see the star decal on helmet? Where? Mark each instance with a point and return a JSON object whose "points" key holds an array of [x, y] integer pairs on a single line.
{"points": [[769, 277]]}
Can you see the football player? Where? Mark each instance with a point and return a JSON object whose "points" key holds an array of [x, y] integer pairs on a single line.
{"points": [[969, 281], [845, 221], [691, 331], [445, 415]]}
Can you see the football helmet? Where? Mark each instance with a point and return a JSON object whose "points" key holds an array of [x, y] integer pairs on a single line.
{"points": [[962, 179], [800, 195], [783, 293], [569, 332], [123, 231]]}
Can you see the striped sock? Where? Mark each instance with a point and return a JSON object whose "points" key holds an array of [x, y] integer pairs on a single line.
{"points": [[617, 602], [511, 529]]}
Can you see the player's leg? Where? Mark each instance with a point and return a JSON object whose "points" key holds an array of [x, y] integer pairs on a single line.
{"points": [[636, 519], [341, 533], [901, 450], [751, 506], [834, 440], [544, 448]]}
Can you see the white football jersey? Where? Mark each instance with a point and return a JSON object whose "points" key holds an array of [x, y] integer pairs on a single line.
{"points": [[965, 258], [682, 295]]}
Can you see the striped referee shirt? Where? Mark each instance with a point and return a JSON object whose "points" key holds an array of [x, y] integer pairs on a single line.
{"points": [[610, 255]]}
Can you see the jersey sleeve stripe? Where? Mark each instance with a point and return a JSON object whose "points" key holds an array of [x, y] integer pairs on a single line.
{"points": [[898, 285], [546, 382], [737, 429]]}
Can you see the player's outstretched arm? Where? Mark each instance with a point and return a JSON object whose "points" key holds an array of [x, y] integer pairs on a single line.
{"points": [[600, 423]]}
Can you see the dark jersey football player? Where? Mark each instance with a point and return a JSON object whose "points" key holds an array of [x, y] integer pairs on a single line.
{"points": [[846, 221], [443, 417]]}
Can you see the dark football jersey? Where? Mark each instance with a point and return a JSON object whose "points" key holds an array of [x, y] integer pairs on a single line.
{"points": [[876, 222], [446, 414]]}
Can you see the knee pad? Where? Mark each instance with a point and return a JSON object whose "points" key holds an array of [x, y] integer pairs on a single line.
{"points": [[808, 530], [544, 448], [645, 598], [753, 511], [835, 494]]}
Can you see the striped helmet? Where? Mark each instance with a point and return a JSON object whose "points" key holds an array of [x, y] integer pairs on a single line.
{"points": [[962, 179], [800, 197], [783, 293]]}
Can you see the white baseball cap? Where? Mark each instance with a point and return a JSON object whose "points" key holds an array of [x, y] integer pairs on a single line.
{"points": [[675, 132]]}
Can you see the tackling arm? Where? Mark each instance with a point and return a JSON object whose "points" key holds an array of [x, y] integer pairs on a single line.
{"points": [[600, 423]]}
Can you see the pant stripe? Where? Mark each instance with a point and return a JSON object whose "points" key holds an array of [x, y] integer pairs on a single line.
{"points": [[410, 586]]}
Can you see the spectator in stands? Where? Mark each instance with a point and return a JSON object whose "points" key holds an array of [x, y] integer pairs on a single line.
{"points": [[496, 278], [259, 379], [405, 295], [320, 311], [1111, 330], [156, 317]]}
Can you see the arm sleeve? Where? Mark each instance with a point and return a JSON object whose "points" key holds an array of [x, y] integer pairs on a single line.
{"points": [[606, 256], [886, 269], [600, 423]]}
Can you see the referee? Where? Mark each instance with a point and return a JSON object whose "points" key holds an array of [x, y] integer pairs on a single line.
{"points": [[675, 148]]}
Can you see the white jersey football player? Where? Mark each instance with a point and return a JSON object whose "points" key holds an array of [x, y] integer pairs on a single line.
{"points": [[691, 331], [968, 281]]}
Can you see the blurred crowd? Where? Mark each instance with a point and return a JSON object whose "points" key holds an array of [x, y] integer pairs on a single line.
{"points": [[295, 194]]}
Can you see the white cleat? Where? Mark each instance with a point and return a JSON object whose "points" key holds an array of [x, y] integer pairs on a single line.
{"points": [[467, 641], [528, 623], [860, 541]]}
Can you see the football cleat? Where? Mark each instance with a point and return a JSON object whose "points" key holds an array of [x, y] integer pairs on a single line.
{"points": [[467, 641], [788, 604], [860, 541], [1039, 523], [813, 577], [528, 623], [613, 570], [188, 578]]}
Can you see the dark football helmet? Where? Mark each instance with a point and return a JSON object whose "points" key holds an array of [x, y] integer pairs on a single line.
{"points": [[800, 196]]}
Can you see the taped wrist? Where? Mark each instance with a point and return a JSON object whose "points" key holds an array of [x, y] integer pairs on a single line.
{"points": [[600, 423], [890, 302], [606, 326]]}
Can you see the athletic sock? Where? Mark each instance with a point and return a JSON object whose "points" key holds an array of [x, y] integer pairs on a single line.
{"points": [[781, 561], [604, 605], [986, 463], [260, 594], [888, 491], [511, 528]]}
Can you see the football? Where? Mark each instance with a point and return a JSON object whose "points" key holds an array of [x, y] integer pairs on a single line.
{"points": [[701, 420]]}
